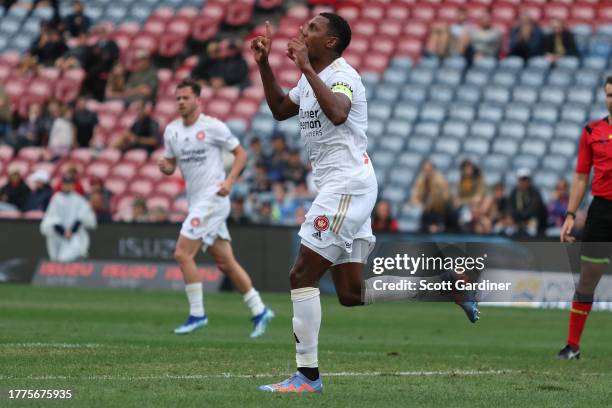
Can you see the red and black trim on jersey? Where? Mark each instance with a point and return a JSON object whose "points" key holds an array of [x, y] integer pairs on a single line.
{"points": [[595, 150]]}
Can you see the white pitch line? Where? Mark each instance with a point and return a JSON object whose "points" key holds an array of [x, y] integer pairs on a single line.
{"points": [[230, 375], [49, 345]]}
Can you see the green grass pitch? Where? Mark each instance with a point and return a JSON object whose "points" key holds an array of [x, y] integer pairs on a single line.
{"points": [[114, 348]]}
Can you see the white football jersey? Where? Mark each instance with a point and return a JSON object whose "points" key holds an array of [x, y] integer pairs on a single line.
{"points": [[340, 163], [198, 150]]}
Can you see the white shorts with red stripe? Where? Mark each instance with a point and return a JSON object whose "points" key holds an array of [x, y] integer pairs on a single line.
{"points": [[338, 226], [206, 221]]}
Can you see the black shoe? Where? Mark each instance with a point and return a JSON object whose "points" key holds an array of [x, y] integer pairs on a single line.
{"points": [[568, 353]]}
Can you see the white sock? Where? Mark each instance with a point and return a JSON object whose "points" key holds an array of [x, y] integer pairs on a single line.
{"points": [[195, 298], [306, 324], [254, 302], [374, 292]]}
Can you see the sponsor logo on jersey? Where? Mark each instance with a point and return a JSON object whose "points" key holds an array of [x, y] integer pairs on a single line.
{"points": [[321, 223], [195, 222], [348, 245], [309, 119], [317, 235], [201, 136]]}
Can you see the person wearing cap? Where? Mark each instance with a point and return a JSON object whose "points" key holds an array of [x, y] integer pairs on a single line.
{"points": [[15, 191], [41, 192], [66, 222], [526, 206]]}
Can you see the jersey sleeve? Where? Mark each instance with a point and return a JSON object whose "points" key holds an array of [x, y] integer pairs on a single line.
{"points": [[168, 149], [294, 93], [585, 155], [342, 82], [222, 136]]}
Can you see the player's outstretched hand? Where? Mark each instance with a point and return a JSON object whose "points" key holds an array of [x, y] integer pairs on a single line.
{"points": [[297, 51], [566, 230], [225, 188], [261, 45]]}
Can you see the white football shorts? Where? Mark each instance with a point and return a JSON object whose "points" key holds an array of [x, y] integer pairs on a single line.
{"points": [[207, 221], [338, 227]]}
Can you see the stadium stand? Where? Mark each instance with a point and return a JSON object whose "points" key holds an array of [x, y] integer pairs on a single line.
{"points": [[503, 113]]}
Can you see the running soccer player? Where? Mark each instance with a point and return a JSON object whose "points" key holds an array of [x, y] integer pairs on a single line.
{"points": [[593, 151], [195, 143], [331, 103]]}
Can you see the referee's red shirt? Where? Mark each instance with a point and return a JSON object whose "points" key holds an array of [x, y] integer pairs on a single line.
{"points": [[595, 150]]}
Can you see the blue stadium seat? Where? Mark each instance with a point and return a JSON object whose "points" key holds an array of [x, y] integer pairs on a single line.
{"points": [[139, 12], [485, 63], [456, 62], [524, 160], [599, 46], [546, 179], [449, 76], [535, 147], [115, 14], [597, 113], [369, 79], [568, 130], [533, 77], [597, 64], [383, 158], [380, 110], [563, 148], [422, 76], [263, 126], [511, 63], [238, 127], [405, 111], [540, 130], [468, 93], [433, 112], [491, 112], [496, 162], [496, 94], [574, 113], [568, 63], [512, 129], [477, 77], [442, 161], [581, 95], [387, 92], [552, 94], [393, 143], [395, 76], [483, 129], [517, 111], [429, 129], [381, 176], [504, 78], [428, 63], [545, 112], [464, 112], [43, 13], [414, 93], [555, 163], [290, 127], [441, 93], [399, 176], [505, 146], [404, 63], [479, 147], [410, 159], [492, 177], [399, 127], [455, 129], [376, 128], [526, 95], [420, 144], [448, 146], [395, 194], [453, 176], [588, 77], [538, 63], [561, 77]]}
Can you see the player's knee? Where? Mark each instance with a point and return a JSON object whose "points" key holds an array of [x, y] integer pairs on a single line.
{"points": [[349, 299], [181, 256], [297, 276]]}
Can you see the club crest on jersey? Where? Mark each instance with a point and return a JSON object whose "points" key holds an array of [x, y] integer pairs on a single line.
{"points": [[201, 136], [195, 222], [321, 223]]}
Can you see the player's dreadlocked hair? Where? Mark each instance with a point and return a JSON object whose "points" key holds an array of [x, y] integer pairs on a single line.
{"points": [[339, 27]]}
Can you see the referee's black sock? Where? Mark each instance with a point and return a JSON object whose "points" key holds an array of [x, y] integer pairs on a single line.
{"points": [[312, 373]]}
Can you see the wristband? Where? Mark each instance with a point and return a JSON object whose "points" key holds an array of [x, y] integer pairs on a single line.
{"points": [[570, 213]]}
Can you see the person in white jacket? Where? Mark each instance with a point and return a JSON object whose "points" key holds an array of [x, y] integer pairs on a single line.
{"points": [[66, 222]]}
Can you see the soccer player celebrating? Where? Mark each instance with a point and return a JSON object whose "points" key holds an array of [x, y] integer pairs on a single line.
{"points": [[330, 100], [195, 143], [593, 151]]}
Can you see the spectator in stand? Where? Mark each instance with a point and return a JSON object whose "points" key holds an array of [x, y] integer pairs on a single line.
{"points": [[559, 43], [77, 23], [557, 206], [31, 131], [383, 221], [484, 40], [144, 133], [158, 214], [283, 208], [62, 137], [41, 192], [295, 171], [140, 212], [104, 54], [474, 219], [431, 194], [84, 121], [115, 86], [71, 171], [6, 5], [498, 205], [235, 70], [238, 215], [209, 65], [471, 184], [440, 42], [77, 56], [261, 183], [5, 114], [526, 205], [255, 156], [264, 213], [96, 185], [461, 27], [66, 222], [526, 38], [15, 192], [103, 213], [48, 47], [277, 161], [142, 81]]}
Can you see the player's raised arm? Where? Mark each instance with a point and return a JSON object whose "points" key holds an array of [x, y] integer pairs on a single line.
{"points": [[280, 104]]}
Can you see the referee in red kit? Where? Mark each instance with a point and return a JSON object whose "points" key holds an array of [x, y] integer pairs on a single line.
{"points": [[595, 150]]}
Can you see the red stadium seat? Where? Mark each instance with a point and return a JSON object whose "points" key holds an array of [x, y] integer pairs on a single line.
{"points": [[123, 206], [189, 12], [504, 12], [150, 171], [383, 45], [165, 107], [409, 46], [170, 188], [424, 13], [253, 93], [124, 170], [162, 14], [229, 93], [556, 10], [214, 11], [48, 167], [180, 25], [154, 27], [584, 12], [245, 109], [604, 12], [116, 186], [49, 73], [106, 120], [365, 28], [359, 44], [82, 155], [6, 153], [218, 108], [136, 156], [67, 89], [269, 4], [32, 153], [23, 166], [398, 12], [141, 187], [353, 58], [288, 78], [299, 12], [180, 206], [448, 13], [373, 11], [171, 45], [75, 74], [239, 13], [350, 12], [98, 169], [204, 28], [145, 41], [109, 156], [5, 72], [129, 28], [10, 59], [156, 155], [159, 201], [390, 28], [115, 107], [375, 62]]}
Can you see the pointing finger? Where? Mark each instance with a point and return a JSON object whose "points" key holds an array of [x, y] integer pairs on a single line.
{"points": [[268, 31]]}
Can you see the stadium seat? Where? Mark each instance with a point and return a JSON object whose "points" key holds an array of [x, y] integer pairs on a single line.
{"points": [[479, 147], [32, 154], [496, 94], [430, 129], [518, 112], [535, 147], [563, 148], [116, 186], [493, 113], [532, 78], [552, 94], [449, 76], [406, 112], [496, 162], [432, 111], [387, 93], [463, 112], [560, 77], [504, 78], [540, 130], [512, 129], [580, 95], [6, 153], [420, 144], [483, 129], [448, 146], [574, 113], [410, 159], [380, 111], [468, 93], [526, 95], [511, 64], [399, 127], [422, 76], [136, 156], [393, 143], [554, 163], [414, 93], [141, 188], [441, 93], [545, 113], [523, 160], [98, 169], [455, 129]]}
